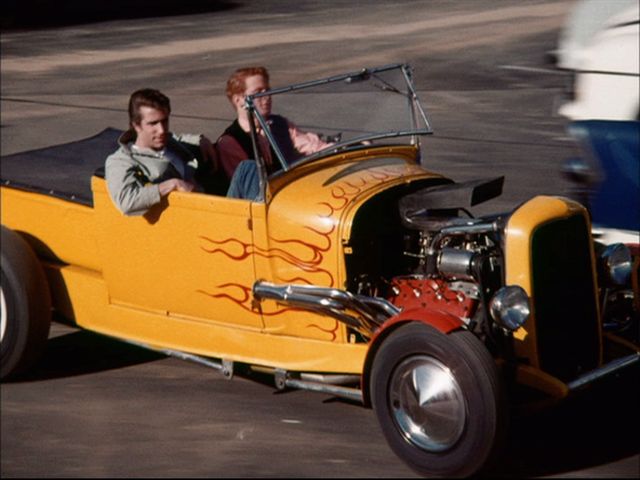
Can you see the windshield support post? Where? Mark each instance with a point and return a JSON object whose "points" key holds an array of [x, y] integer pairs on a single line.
{"points": [[260, 162]]}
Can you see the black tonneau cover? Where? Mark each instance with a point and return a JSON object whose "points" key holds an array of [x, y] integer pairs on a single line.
{"points": [[62, 171]]}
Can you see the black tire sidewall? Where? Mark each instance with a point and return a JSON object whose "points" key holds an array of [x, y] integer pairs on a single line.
{"points": [[15, 337], [28, 305], [479, 387]]}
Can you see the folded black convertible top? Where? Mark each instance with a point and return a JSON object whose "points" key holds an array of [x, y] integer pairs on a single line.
{"points": [[62, 171]]}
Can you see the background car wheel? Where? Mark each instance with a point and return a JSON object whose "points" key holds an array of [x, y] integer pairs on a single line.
{"points": [[438, 399], [26, 306]]}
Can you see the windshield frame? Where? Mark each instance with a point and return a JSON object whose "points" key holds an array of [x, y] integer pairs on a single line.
{"points": [[418, 116]]}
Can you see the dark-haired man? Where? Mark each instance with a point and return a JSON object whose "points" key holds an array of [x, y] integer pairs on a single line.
{"points": [[152, 162]]}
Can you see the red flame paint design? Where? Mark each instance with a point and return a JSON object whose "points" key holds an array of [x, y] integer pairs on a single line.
{"points": [[241, 296], [331, 331], [310, 263]]}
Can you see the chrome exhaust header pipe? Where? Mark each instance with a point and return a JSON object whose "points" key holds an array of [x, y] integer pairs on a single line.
{"points": [[365, 314]]}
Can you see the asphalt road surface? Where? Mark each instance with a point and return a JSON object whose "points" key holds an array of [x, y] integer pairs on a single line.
{"points": [[99, 408]]}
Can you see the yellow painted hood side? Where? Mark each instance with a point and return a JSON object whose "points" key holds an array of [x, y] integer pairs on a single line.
{"points": [[309, 218]]}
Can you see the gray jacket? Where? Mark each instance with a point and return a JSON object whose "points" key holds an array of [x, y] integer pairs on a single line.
{"points": [[133, 175]]}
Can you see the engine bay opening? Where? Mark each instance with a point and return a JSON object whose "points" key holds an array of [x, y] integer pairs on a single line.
{"points": [[418, 246]]}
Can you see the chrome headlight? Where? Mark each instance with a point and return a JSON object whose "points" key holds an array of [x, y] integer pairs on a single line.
{"points": [[616, 264], [510, 307]]}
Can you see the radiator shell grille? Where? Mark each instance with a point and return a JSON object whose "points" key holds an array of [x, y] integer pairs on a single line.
{"points": [[565, 302]]}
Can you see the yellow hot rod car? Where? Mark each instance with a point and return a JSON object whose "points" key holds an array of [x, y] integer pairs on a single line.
{"points": [[357, 272]]}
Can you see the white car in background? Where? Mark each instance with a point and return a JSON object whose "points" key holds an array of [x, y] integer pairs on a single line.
{"points": [[600, 44]]}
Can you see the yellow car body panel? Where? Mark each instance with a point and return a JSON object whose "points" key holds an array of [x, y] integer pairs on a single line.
{"points": [[40, 216], [180, 277]]}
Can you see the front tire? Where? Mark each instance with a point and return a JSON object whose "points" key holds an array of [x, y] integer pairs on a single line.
{"points": [[438, 399], [25, 306]]}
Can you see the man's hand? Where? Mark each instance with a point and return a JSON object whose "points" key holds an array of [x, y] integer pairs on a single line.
{"points": [[209, 153], [175, 184]]}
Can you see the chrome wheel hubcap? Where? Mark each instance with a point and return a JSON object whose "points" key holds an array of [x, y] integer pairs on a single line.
{"points": [[427, 403]]}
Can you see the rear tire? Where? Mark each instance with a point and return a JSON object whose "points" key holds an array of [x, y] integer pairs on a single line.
{"points": [[25, 308], [439, 400]]}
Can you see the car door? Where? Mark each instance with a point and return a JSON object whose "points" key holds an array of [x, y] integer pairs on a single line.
{"points": [[188, 257]]}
